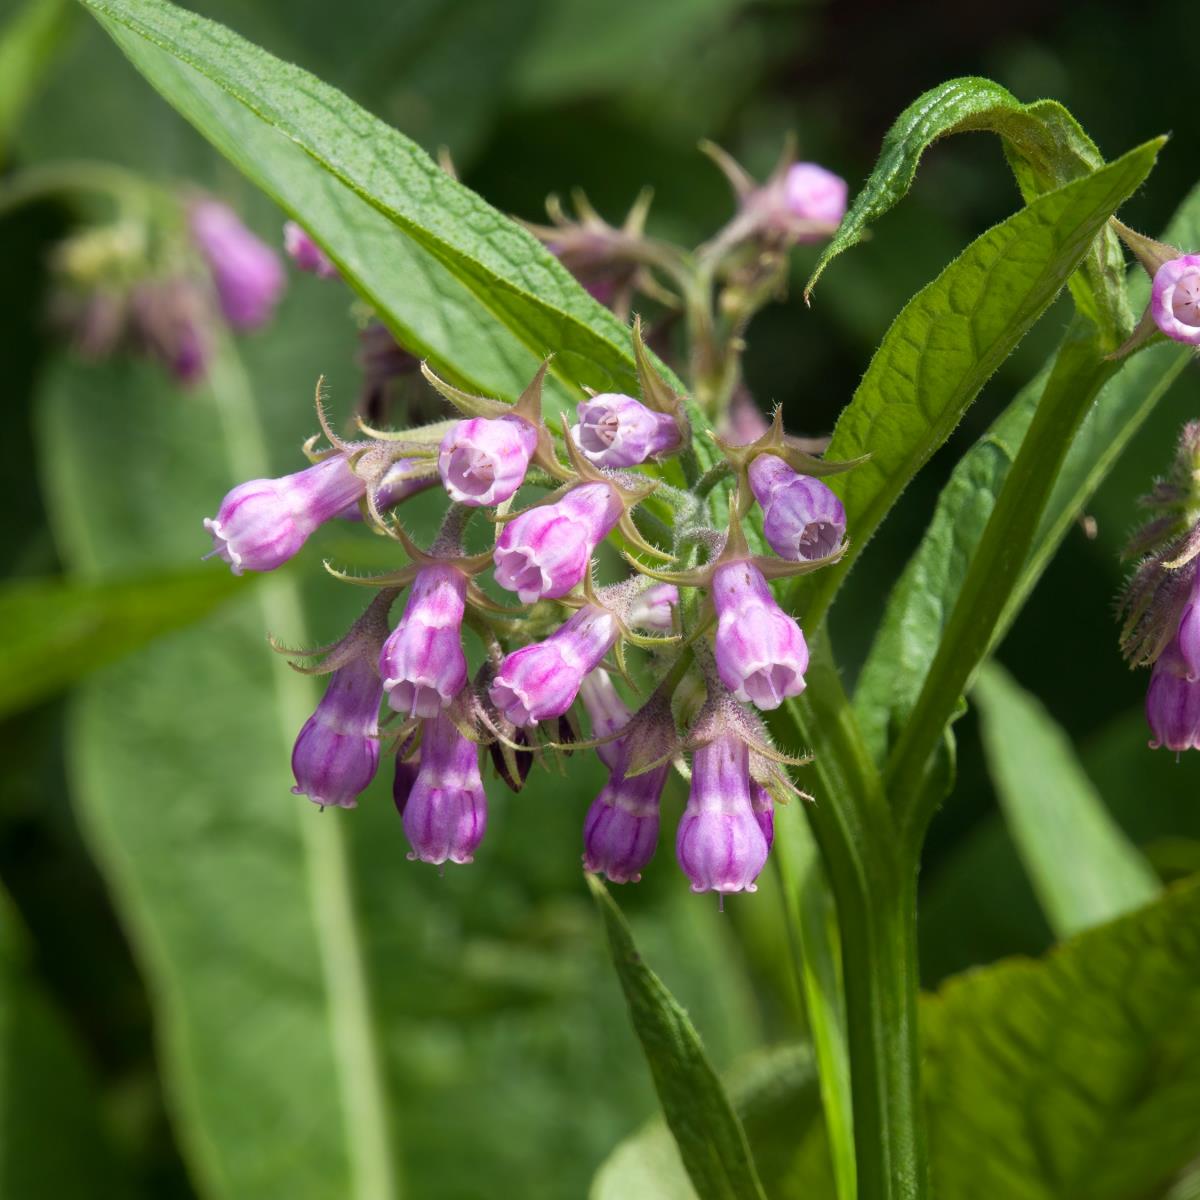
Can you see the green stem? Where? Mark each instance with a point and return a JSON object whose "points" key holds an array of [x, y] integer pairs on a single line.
{"points": [[873, 878]]}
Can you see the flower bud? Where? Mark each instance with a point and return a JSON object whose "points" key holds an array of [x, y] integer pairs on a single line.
{"points": [[802, 518], [1175, 299], [720, 843], [1173, 703], [422, 662], [337, 752], [606, 710], [169, 321], [541, 681], [446, 812], [760, 650], [263, 523], [619, 431], [306, 254], [248, 274], [801, 203], [545, 552], [483, 462], [654, 608], [620, 832]]}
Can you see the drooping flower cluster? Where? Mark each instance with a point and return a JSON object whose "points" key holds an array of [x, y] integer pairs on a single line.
{"points": [[162, 292], [694, 619], [1161, 604]]}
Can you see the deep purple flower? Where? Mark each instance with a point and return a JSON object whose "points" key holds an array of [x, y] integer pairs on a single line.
{"points": [[620, 832], [619, 431], [422, 662], [446, 812], [654, 608], [1175, 299], [720, 843], [764, 810], [545, 552], [541, 681], [337, 752], [1173, 702], [306, 254], [484, 461], [248, 274], [802, 518], [761, 652], [606, 710], [263, 523]]}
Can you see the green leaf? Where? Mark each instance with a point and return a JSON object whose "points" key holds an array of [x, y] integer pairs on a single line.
{"points": [[57, 631], [356, 183], [925, 595], [28, 43], [53, 1139], [709, 1134], [1082, 867], [1046, 148], [1074, 1076], [775, 1095], [948, 340]]}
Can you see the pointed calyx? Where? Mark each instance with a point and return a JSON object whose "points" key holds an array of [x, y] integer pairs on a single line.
{"points": [[1147, 251], [794, 451], [657, 394]]}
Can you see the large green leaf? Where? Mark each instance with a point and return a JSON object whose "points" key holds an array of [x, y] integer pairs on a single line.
{"points": [[325, 1008], [1046, 148], [924, 596], [1082, 867], [56, 632], [949, 339], [53, 1139], [707, 1130], [357, 183], [1074, 1076]]}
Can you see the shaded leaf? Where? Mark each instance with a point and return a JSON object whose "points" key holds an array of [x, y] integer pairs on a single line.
{"points": [[710, 1137], [1082, 867], [57, 631], [28, 42], [1077, 1075]]}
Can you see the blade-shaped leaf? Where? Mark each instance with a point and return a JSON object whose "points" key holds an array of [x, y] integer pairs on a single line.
{"points": [[775, 1094], [1082, 867], [325, 159], [56, 631], [1076, 1075], [707, 1130], [53, 1140], [948, 340], [925, 594], [1046, 148]]}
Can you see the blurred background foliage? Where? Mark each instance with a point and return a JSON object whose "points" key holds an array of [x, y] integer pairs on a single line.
{"points": [[503, 1025]]}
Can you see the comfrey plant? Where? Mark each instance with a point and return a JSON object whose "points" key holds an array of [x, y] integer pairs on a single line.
{"points": [[632, 564], [696, 607]]}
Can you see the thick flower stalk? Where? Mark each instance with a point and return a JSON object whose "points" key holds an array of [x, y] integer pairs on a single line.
{"points": [[690, 621]]}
